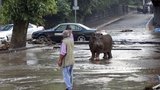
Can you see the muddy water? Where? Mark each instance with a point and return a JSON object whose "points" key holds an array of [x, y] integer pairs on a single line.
{"points": [[36, 69], [128, 70], [30, 70]]}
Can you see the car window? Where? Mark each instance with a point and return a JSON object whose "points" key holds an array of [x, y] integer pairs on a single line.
{"points": [[61, 28], [7, 28], [75, 28], [84, 26]]}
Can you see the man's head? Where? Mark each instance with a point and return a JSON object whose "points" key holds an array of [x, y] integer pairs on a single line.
{"points": [[65, 33], [68, 27]]}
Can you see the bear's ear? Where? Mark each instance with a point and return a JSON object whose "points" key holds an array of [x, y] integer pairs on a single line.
{"points": [[101, 36]]}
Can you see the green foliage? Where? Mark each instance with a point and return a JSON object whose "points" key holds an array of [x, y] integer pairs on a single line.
{"points": [[64, 7], [85, 6], [91, 6], [27, 10], [102, 4]]}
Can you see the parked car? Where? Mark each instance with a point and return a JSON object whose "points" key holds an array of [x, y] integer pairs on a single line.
{"points": [[6, 32], [3, 38], [80, 32], [1, 27]]}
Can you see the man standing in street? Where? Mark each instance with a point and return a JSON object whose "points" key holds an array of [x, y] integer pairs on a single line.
{"points": [[66, 59]]}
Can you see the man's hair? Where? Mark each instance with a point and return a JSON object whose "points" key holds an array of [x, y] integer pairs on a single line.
{"points": [[68, 27]]}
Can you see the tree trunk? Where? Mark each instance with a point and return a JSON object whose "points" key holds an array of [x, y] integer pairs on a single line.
{"points": [[18, 39], [156, 19]]}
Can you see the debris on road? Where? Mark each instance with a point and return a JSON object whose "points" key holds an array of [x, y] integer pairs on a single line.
{"points": [[127, 30], [4, 45]]}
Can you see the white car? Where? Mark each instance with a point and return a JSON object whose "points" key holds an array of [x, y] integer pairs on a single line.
{"points": [[6, 32], [3, 37]]}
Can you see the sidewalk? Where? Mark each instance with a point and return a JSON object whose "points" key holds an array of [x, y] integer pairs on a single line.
{"points": [[112, 20], [28, 46]]}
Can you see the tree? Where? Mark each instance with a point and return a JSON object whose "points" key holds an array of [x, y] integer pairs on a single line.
{"points": [[156, 19], [93, 6], [63, 14], [21, 13]]}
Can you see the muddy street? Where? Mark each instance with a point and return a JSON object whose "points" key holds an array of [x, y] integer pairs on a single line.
{"points": [[135, 63]]}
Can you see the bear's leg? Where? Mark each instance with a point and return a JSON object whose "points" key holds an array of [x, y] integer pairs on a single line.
{"points": [[93, 56], [109, 55], [105, 56], [97, 56]]}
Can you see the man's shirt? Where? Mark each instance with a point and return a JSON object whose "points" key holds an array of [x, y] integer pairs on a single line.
{"points": [[63, 47]]}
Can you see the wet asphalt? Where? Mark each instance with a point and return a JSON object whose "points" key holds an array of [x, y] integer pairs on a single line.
{"points": [[135, 63]]}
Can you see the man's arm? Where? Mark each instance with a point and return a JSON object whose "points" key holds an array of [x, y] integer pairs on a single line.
{"points": [[62, 54], [61, 58]]}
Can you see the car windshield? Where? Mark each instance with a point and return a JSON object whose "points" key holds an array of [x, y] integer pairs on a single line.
{"points": [[7, 27]]}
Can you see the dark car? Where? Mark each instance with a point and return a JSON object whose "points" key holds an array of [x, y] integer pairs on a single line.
{"points": [[80, 32]]}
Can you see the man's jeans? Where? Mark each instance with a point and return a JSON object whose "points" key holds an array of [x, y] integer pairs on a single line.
{"points": [[68, 76]]}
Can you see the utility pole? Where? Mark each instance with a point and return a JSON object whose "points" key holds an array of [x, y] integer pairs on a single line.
{"points": [[75, 8], [143, 2]]}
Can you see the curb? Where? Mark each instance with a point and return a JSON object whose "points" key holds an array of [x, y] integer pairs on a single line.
{"points": [[108, 23], [19, 49]]}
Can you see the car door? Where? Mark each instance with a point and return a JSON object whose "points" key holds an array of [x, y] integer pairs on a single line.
{"points": [[57, 37], [77, 31]]}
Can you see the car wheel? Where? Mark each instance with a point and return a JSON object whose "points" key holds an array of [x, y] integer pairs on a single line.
{"points": [[42, 39], [81, 38]]}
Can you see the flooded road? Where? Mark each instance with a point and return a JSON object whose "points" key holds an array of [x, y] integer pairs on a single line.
{"points": [[134, 64]]}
